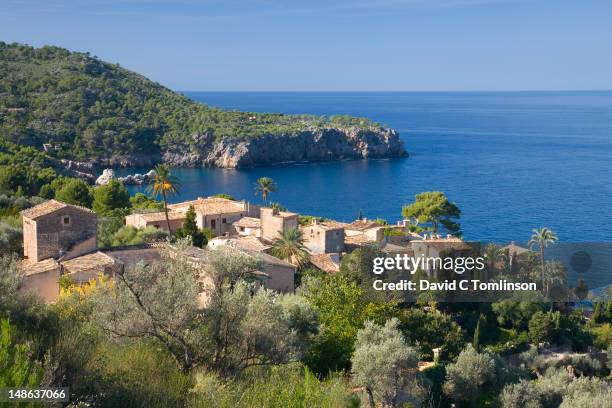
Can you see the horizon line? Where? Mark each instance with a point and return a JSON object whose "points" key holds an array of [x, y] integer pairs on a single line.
{"points": [[399, 91]]}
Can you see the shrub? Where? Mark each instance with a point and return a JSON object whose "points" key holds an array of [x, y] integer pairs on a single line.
{"points": [[521, 395], [469, 376], [382, 362]]}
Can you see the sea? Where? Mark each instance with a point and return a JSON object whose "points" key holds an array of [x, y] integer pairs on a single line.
{"points": [[511, 161]]}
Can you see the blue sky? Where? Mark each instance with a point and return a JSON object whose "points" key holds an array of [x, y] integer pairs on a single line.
{"points": [[336, 45]]}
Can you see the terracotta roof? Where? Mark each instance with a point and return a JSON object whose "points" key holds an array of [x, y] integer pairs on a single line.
{"points": [[160, 216], [39, 267], [361, 225], [248, 222], [210, 206], [286, 214], [49, 207], [95, 260], [325, 263], [331, 224], [359, 239], [249, 243]]}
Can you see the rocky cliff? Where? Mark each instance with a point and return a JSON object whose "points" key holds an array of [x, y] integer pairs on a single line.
{"points": [[307, 146]]}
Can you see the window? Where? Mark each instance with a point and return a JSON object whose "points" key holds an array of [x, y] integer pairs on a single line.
{"points": [[65, 220], [224, 221], [213, 224]]}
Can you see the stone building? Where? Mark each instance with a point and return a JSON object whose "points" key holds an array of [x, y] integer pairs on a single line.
{"points": [[324, 237], [58, 230], [273, 222], [215, 213]]}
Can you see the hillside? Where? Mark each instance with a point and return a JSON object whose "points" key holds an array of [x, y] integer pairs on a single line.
{"points": [[93, 111]]}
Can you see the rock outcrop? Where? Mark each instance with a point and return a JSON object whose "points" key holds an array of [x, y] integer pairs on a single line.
{"points": [[308, 146], [135, 179]]}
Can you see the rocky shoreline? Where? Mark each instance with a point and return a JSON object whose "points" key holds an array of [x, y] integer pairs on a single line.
{"points": [[308, 146]]}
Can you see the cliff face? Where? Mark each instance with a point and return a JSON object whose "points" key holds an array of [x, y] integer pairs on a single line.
{"points": [[307, 146]]}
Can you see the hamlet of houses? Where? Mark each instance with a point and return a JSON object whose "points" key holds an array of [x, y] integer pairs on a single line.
{"points": [[61, 240]]}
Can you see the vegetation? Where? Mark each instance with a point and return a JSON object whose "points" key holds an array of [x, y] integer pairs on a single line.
{"points": [[164, 184], [542, 238], [289, 245], [190, 229], [87, 108], [111, 199], [265, 186], [434, 210]]}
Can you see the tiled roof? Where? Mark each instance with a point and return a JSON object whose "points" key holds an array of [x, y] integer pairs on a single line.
{"points": [[330, 224], [94, 260], [161, 216], [39, 267], [361, 225], [210, 206], [325, 263], [248, 222], [49, 207]]}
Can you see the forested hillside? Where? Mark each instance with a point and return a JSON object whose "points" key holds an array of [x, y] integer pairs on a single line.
{"points": [[93, 109]]}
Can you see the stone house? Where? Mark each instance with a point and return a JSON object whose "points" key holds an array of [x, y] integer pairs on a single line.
{"points": [[365, 231], [58, 230], [248, 226], [274, 221], [324, 237], [215, 213]]}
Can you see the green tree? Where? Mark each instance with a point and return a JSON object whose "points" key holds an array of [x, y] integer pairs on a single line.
{"points": [[47, 191], [141, 201], [541, 327], [110, 198], [289, 245], [472, 373], [16, 367], [76, 192], [265, 186], [164, 184], [542, 238], [434, 209], [339, 304], [385, 366], [190, 229]]}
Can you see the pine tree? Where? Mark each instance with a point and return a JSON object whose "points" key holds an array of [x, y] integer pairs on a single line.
{"points": [[607, 315], [190, 229]]}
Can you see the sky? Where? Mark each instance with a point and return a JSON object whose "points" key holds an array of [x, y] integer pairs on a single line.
{"points": [[333, 45]]}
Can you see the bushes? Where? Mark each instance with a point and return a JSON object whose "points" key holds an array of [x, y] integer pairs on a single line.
{"points": [[129, 235], [602, 335], [384, 365], [469, 375], [75, 192]]}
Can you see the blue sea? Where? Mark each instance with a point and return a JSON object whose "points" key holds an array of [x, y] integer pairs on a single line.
{"points": [[512, 161]]}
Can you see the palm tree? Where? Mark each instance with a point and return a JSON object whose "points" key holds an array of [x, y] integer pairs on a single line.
{"points": [[264, 186], [289, 246], [494, 255], [164, 184], [542, 238]]}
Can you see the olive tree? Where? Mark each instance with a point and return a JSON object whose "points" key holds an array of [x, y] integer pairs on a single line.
{"points": [[469, 375], [238, 326], [523, 394], [158, 300], [385, 366]]}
